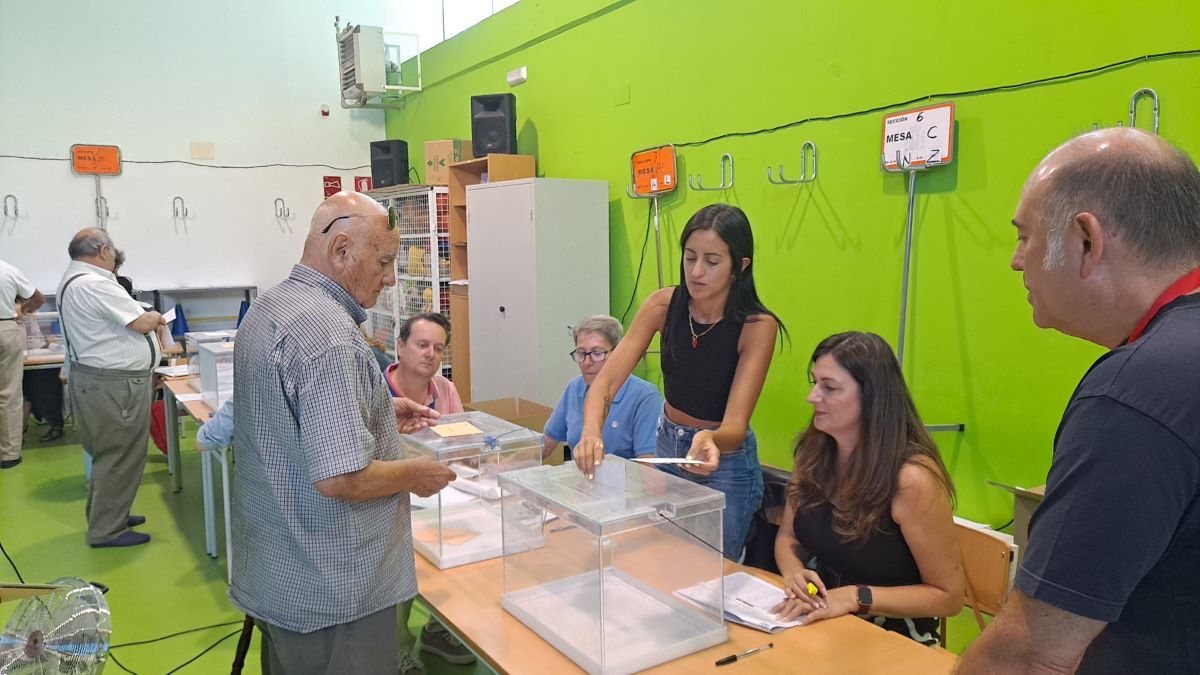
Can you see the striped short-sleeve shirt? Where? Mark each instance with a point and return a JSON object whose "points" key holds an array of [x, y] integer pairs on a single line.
{"points": [[95, 313], [310, 404]]}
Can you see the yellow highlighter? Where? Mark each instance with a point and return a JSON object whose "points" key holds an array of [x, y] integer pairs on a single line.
{"points": [[811, 588]]}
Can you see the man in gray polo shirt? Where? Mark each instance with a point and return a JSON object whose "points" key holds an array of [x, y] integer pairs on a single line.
{"points": [[320, 497]]}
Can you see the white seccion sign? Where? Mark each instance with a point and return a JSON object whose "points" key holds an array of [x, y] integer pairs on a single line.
{"points": [[918, 139]]}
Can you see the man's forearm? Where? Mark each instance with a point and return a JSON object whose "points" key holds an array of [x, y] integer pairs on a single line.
{"points": [[380, 478], [1030, 636], [33, 303], [993, 653], [145, 323]]}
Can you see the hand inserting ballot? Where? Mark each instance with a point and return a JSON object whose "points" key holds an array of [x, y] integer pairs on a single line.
{"points": [[588, 454]]}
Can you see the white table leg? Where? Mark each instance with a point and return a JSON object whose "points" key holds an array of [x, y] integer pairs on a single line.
{"points": [[224, 459], [210, 535], [171, 410]]}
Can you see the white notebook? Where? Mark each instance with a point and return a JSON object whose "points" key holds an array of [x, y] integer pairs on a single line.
{"points": [[748, 601]]}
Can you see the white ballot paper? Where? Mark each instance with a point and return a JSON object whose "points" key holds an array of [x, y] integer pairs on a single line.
{"points": [[666, 460]]}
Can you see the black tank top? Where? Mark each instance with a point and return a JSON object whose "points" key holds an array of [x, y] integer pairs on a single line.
{"points": [[697, 379], [882, 559]]}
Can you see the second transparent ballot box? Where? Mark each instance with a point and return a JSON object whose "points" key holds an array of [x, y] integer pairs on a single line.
{"points": [[461, 524], [599, 574], [215, 363]]}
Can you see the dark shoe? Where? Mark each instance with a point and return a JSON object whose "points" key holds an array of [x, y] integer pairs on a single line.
{"points": [[134, 521], [436, 640], [127, 539], [10, 463], [409, 665], [54, 434]]}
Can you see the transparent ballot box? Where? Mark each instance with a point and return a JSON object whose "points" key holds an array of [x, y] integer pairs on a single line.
{"points": [[216, 373], [598, 575], [193, 339], [43, 334], [461, 524]]}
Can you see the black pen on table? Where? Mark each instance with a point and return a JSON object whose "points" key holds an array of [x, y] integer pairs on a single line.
{"points": [[733, 658]]}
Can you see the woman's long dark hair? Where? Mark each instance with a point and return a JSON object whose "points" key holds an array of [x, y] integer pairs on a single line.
{"points": [[733, 227], [892, 435]]}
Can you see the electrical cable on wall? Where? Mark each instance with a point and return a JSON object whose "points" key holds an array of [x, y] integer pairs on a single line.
{"points": [[879, 108], [641, 263], [206, 166], [952, 94]]}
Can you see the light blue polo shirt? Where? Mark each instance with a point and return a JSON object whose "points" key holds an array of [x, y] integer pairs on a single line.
{"points": [[632, 422]]}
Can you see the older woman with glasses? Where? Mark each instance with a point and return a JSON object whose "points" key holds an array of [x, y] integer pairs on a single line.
{"points": [[631, 426]]}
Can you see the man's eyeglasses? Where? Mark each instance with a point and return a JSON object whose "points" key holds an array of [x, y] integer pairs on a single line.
{"points": [[393, 218], [597, 355]]}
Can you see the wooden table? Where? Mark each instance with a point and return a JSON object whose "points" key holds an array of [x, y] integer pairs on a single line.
{"points": [[173, 387], [44, 361], [467, 600]]}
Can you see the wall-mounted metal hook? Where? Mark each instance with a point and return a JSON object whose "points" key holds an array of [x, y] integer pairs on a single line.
{"points": [[281, 209], [16, 209], [809, 148], [726, 178], [179, 212], [1145, 91]]}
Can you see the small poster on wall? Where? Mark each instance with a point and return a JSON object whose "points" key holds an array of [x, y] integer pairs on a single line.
{"points": [[95, 160], [333, 185], [362, 183]]}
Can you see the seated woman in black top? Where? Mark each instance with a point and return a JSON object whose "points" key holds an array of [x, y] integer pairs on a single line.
{"points": [[868, 520]]}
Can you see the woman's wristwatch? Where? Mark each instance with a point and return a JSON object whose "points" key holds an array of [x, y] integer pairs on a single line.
{"points": [[864, 599]]}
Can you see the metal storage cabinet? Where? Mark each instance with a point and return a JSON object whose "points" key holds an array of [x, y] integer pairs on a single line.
{"points": [[539, 263]]}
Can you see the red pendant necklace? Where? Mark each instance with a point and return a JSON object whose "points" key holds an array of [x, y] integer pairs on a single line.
{"points": [[696, 336]]}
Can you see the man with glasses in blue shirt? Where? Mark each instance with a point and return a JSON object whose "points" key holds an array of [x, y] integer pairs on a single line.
{"points": [[631, 426]]}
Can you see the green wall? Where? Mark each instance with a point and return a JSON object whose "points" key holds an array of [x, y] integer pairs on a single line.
{"points": [[607, 78]]}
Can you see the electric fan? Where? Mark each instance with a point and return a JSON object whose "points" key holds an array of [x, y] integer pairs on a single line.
{"points": [[65, 631]]}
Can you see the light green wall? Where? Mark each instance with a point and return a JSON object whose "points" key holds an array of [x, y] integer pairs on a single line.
{"points": [[609, 78]]}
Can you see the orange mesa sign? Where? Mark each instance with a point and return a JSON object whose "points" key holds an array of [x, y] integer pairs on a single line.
{"points": [[654, 171], [96, 160]]}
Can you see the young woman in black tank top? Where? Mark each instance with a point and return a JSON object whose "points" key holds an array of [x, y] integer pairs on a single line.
{"points": [[717, 343], [868, 519]]}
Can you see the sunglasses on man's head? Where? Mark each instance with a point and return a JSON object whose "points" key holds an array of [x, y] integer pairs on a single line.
{"points": [[392, 215]]}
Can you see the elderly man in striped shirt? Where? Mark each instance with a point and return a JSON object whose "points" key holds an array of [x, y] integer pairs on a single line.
{"points": [[112, 347], [320, 496]]}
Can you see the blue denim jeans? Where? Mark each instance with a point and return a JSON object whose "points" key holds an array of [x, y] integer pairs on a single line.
{"points": [[739, 476]]}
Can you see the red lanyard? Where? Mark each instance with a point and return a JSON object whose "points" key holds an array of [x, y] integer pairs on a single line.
{"points": [[1185, 285]]}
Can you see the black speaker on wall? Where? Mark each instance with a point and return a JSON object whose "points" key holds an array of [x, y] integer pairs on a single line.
{"points": [[493, 124], [389, 163]]}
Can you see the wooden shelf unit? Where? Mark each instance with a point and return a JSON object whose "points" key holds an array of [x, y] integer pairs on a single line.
{"points": [[470, 172]]}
